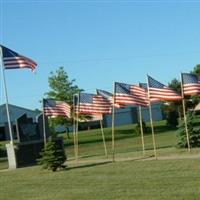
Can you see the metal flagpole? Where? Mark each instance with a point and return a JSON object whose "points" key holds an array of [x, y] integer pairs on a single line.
{"points": [[103, 137], [184, 114], [6, 97], [74, 127], [77, 120], [44, 126], [151, 121], [141, 129], [113, 125]]}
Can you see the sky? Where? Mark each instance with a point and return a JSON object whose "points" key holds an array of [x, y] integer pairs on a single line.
{"points": [[98, 43]]}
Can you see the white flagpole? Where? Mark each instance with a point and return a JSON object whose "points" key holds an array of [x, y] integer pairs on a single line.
{"points": [[77, 123], [141, 130], [151, 121], [103, 137], [113, 126], [74, 127], [44, 125], [185, 117], [6, 97]]}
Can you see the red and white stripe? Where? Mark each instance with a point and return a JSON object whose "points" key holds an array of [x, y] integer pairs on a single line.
{"points": [[61, 109], [191, 88], [164, 94], [136, 97], [19, 62], [100, 105]]}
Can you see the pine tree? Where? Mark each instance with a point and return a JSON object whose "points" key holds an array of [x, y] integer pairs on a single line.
{"points": [[52, 157], [193, 130]]}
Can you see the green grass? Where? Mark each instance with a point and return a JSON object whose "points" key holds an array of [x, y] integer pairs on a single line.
{"points": [[172, 179], [175, 175]]}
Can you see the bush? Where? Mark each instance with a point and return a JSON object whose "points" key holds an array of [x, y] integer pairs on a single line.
{"points": [[52, 157], [138, 129], [172, 118], [193, 130]]}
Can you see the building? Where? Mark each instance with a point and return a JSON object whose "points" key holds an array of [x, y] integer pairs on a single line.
{"points": [[129, 115], [15, 113]]}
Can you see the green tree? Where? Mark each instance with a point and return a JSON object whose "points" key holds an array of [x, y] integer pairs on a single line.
{"points": [[52, 157], [193, 129], [196, 70], [173, 110], [176, 85], [62, 89]]}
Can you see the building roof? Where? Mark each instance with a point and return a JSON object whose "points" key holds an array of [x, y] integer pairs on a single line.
{"points": [[15, 113]]}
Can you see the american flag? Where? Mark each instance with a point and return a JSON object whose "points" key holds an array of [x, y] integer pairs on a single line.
{"points": [[13, 60], [92, 104], [109, 97], [191, 84], [56, 108], [129, 95], [145, 86], [162, 92]]}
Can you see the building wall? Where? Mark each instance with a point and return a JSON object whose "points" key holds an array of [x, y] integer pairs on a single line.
{"points": [[157, 113], [130, 115]]}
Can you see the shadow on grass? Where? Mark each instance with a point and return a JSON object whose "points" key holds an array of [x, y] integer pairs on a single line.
{"points": [[88, 165]]}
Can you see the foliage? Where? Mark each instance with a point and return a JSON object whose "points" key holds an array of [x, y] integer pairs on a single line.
{"points": [[196, 70], [172, 118], [176, 85], [173, 110], [62, 89], [52, 157], [193, 130], [138, 128]]}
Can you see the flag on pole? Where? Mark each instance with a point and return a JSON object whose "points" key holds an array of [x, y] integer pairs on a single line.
{"points": [[109, 97], [92, 104], [145, 87], [56, 108], [129, 95], [191, 84], [160, 91], [13, 60]]}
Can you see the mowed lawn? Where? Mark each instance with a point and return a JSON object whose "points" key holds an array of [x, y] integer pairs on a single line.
{"points": [[175, 175]]}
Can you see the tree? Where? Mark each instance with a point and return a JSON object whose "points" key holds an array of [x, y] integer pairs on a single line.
{"points": [[173, 110], [196, 70], [52, 157], [193, 129], [176, 85], [61, 89]]}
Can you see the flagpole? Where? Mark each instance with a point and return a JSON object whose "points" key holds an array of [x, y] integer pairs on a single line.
{"points": [[6, 97], [141, 129], [77, 116], [184, 114], [113, 126], [74, 127], [103, 137], [151, 121], [44, 126]]}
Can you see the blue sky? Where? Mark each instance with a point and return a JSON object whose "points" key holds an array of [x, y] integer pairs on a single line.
{"points": [[98, 42]]}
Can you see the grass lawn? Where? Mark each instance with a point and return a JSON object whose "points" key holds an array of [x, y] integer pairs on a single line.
{"points": [[175, 175], [172, 179]]}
